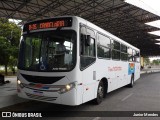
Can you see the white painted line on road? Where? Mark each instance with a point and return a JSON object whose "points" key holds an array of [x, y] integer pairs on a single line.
{"points": [[127, 97], [96, 118]]}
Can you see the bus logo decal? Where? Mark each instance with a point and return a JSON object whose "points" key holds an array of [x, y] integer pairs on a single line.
{"points": [[115, 68], [131, 68]]}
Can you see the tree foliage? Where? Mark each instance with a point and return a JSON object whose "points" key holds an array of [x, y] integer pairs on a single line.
{"points": [[156, 62], [146, 60], [9, 42]]}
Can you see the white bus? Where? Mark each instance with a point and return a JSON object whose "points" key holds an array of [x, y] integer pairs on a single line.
{"points": [[69, 60]]}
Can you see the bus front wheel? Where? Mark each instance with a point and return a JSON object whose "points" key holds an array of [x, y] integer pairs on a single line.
{"points": [[100, 93]]}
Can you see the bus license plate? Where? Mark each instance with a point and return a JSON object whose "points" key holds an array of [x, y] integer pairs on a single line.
{"points": [[39, 93]]}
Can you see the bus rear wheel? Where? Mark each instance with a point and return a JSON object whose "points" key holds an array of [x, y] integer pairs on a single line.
{"points": [[100, 93]]}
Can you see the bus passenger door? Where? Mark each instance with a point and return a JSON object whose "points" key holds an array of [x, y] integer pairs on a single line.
{"points": [[87, 60]]}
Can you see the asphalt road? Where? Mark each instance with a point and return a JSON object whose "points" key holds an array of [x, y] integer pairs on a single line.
{"points": [[144, 96]]}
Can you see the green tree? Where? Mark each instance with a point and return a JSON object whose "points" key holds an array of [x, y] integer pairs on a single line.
{"points": [[155, 62], [146, 60], [9, 42]]}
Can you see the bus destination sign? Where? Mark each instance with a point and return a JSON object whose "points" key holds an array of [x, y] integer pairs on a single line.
{"points": [[49, 23]]}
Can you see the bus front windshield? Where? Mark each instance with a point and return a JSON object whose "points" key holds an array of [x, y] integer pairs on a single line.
{"points": [[48, 51]]}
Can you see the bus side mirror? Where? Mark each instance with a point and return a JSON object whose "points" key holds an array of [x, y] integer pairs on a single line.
{"points": [[85, 41], [88, 40], [82, 37], [82, 43]]}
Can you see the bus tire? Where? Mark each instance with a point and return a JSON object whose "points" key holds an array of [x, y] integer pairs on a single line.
{"points": [[132, 81], [100, 93]]}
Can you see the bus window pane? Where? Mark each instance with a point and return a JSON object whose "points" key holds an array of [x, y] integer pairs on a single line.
{"points": [[115, 54], [123, 48], [137, 54], [32, 47], [124, 56], [49, 51], [130, 58], [86, 61], [87, 52], [103, 52], [90, 50], [115, 45], [103, 40], [89, 55], [137, 57]]}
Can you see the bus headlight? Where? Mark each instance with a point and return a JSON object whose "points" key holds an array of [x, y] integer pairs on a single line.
{"points": [[67, 88], [20, 83]]}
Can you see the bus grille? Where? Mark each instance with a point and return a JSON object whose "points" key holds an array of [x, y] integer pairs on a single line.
{"points": [[41, 97], [42, 79]]}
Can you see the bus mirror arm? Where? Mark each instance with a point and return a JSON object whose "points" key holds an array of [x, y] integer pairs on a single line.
{"points": [[83, 43], [88, 40]]}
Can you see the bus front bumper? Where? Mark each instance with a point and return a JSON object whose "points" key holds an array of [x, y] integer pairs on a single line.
{"points": [[67, 98]]}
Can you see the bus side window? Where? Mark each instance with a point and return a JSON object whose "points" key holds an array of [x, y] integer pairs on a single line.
{"points": [[115, 50], [124, 55], [90, 50], [103, 46], [87, 50]]}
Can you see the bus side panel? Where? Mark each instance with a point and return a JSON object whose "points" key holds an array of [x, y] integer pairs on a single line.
{"points": [[104, 70], [89, 83], [122, 73]]}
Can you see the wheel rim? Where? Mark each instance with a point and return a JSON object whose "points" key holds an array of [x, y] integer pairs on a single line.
{"points": [[100, 92]]}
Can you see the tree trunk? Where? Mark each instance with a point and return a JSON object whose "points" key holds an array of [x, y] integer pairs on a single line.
{"points": [[6, 73]]}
